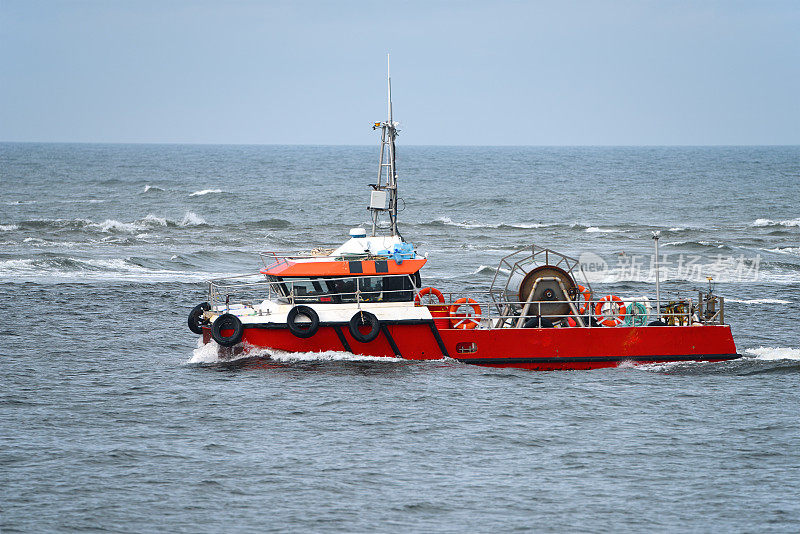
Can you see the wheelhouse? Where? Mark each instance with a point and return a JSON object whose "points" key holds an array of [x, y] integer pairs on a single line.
{"points": [[362, 270], [338, 290]]}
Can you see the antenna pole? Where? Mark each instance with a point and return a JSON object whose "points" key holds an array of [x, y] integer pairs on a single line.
{"points": [[656, 235], [387, 161], [389, 85]]}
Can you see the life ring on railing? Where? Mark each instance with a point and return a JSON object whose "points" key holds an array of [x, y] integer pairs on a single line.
{"points": [[587, 299], [611, 310], [302, 330], [465, 322], [428, 291], [226, 322], [364, 318]]}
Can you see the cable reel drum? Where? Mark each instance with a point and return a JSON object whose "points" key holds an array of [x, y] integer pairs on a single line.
{"points": [[536, 276]]}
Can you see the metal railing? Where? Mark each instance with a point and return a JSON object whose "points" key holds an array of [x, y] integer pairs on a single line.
{"points": [[639, 311], [274, 259], [351, 289], [508, 314]]}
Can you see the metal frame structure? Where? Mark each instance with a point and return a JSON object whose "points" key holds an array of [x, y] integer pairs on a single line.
{"points": [[386, 161], [524, 261]]}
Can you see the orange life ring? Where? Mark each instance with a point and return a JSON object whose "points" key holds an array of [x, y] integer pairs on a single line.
{"points": [[587, 298], [428, 291], [464, 322], [605, 309]]}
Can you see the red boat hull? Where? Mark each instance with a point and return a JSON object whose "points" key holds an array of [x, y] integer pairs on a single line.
{"points": [[530, 348]]}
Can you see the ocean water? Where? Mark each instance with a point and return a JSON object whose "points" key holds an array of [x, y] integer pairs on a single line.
{"points": [[113, 419]]}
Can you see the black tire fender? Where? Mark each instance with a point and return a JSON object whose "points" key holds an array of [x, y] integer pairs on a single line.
{"points": [[364, 318], [300, 329], [196, 320], [227, 321]]}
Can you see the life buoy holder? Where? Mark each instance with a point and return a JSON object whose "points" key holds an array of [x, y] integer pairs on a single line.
{"points": [[226, 322], [364, 318], [465, 322], [611, 310], [428, 291], [302, 330], [587, 299], [196, 318]]}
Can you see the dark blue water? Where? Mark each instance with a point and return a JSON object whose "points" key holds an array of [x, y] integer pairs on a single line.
{"points": [[109, 419]]}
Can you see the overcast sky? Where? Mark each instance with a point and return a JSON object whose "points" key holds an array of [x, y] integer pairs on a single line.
{"points": [[463, 73]]}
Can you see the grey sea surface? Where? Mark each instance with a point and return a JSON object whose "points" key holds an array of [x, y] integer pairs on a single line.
{"points": [[113, 418]]}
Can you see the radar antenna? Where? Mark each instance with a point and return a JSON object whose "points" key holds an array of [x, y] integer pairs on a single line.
{"points": [[386, 188]]}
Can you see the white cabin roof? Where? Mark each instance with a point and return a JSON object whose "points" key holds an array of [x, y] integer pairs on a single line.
{"points": [[367, 245]]}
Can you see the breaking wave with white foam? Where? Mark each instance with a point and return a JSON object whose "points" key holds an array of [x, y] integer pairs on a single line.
{"points": [[793, 251], [192, 219], [773, 353], [598, 230], [209, 353], [110, 225], [205, 192], [66, 270], [761, 223], [488, 269]]}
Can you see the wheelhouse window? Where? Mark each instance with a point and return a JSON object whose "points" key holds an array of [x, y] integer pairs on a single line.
{"points": [[339, 290]]}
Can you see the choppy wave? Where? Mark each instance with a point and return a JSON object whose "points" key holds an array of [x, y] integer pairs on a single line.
{"points": [[41, 243], [758, 301], [759, 356], [154, 188], [696, 244], [112, 225], [205, 192], [272, 224], [596, 229], [760, 223], [82, 201], [794, 251], [590, 228], [55, 224], [192, 219], [488, 269], [70, 269], [8, 227], [447, 221]]}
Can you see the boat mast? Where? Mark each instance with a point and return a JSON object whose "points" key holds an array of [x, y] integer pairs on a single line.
{"points": [[387, 188]]}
